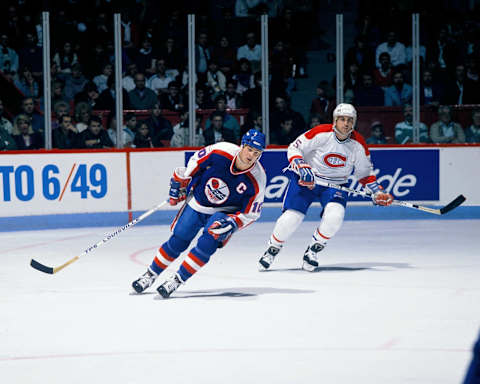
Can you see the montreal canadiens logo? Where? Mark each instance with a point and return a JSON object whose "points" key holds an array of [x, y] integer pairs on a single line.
{"points": [[216, 190], [335, 160]]}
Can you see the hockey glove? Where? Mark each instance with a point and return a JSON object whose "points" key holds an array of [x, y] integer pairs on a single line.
{"points": [[178, 186], [379, 197], [305, 172], [222, 229]]}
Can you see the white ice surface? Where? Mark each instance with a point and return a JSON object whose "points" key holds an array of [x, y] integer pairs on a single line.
{"points": [[394, 302]]}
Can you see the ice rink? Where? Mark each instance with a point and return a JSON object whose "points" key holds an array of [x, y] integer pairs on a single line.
{"points": [[393, 302]]}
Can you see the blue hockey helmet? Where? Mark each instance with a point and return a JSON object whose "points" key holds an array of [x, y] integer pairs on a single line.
{"points": [[254, 139]]}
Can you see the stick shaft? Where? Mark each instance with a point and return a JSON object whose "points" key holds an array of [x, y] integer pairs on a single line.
{"points": [[51, 270]]}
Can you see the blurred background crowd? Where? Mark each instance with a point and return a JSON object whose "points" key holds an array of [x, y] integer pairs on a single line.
{"points": [[228, 99]]}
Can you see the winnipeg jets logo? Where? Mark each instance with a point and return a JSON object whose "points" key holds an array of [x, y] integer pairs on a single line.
{"points": [[335, 160], [216, 190]]}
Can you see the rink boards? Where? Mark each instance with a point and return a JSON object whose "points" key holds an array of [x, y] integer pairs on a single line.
{"points": [[57, 185]]}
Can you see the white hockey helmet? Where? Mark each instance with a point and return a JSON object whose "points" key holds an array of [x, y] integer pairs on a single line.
{"points": [[344, 109]]}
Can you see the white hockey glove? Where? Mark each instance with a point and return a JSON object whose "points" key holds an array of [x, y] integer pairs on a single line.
{"points": [[178, 186], [307, 179], [379, 197]]}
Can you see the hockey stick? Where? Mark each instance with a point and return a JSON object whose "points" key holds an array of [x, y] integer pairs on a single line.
{"points": [[51, 270], [441, 211]]}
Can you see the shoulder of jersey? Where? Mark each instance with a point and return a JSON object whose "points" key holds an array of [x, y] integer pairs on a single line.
{"points": [[227, 148], [360, 139], [259, 173], [322, 128]]}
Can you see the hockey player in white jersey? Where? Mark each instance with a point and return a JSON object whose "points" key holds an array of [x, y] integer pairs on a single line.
{"points": [[330, 152], [226, 186]]}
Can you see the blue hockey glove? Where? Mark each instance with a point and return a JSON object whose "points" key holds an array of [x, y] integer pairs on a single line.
{"points": [[178, 188], [379, 197], [222, 229], [305, 172]]}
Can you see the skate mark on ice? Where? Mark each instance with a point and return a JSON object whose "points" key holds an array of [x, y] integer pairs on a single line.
{"points": [[347, 267]]}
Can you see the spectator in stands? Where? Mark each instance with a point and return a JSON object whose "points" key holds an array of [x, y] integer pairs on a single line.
{"points": [[252, 98], [445, 130], [88, 95], [377, 134], [65, 135], [285, 133], [324, 103], [128, 130], [160, 80], [65, 58], [314, 121], [159, 126], [26, 83], [229, 122], [181, 132], [24, 135], [253, 121], [443, 52], [243, 76], [217, 130], [5, 123], [60, 108], [36, 119], [394, 48], [352, 77], [31, 54], [173, 99], [216, 80], [361, 54], [201, 101], [107, 99], [251, 51], [280, 112], [203, 56], [74, 82], [472, 133], [7, 142], [233, 98], [404, 129], [172, 54], [431, 93], [282, 69], [461, 90], [129, 78], [399, 93], [369, 94], [224, 55], [8, 57], [144, 57], [100, 80], [383, 75], [83, 112], [58, 92], [143, 138], [141, 97], [95, 137]]}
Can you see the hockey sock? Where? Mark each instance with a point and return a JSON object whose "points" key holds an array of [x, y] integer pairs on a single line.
{"points": [[332, 220], [167, 253], [195, 260], [285, 226]]}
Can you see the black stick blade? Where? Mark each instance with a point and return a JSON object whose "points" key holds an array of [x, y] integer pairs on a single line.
{"points": [[453, 204], [40, 267]]}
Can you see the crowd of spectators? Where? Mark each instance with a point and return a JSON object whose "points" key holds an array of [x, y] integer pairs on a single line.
{"points": [[228, 77]]}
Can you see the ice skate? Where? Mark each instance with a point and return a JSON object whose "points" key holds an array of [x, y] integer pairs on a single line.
{"points": [[169, 286], [145, 281], [310, 258], [267, 259]]}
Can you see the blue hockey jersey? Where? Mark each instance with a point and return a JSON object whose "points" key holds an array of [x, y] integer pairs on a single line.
{"points": [[217, 186]]}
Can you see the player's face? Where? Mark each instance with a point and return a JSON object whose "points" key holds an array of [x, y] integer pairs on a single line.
{"points": [[247, 157], [344, 125]]}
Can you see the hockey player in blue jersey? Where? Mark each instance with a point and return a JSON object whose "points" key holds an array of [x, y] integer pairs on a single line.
{"points": [[223, 185]]}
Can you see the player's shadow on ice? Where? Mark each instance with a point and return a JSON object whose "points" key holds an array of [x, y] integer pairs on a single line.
{"points": [[350, 267], [237, 292]]}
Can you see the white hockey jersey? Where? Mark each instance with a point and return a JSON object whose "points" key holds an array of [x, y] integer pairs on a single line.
{"points": [[331, 159]]}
